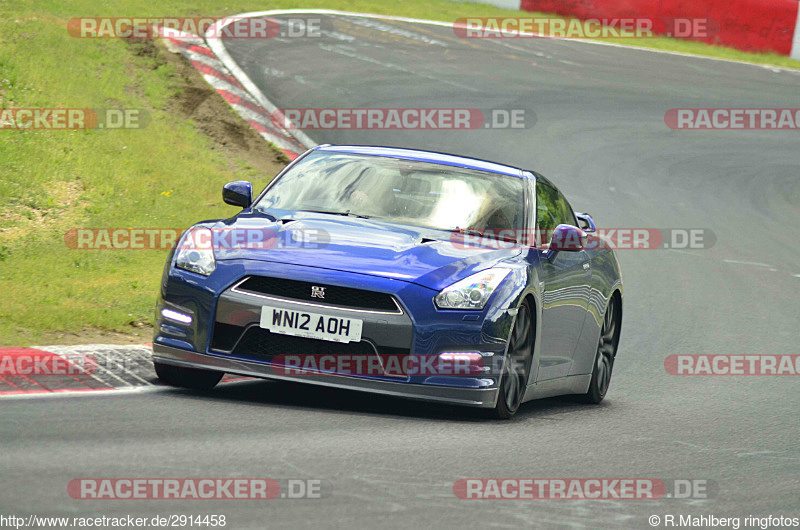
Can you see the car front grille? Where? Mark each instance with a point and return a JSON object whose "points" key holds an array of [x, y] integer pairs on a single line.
{"points": [[261, 345], [224, 336], [333, 295]]}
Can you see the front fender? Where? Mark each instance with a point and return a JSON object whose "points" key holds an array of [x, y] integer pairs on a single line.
{"points": [[521, 283]]}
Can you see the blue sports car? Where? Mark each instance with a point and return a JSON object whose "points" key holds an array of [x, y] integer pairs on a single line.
{"points": [[396, 271]]}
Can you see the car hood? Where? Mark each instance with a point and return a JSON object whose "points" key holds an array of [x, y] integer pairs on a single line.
{"points": [[431, 258]]}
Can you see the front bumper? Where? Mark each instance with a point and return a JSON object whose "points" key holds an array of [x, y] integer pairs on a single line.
{"points": [[417, 330], [474, 397]]}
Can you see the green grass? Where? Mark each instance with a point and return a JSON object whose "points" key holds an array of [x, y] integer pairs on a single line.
{"points": [[51, 181]]}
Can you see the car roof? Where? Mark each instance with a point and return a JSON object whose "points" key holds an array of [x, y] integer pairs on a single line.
{"points": [[428, 156]]}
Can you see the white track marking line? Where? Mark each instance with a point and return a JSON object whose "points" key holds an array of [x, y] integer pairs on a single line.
{"points": [[753, 263], [115, 376], [106, 352], [535, 53], [93, 347], [366, 58], [65, 356], [218, 47], [199, 57], [795, 53], [218, 84], [687, 252], [114, 391], [135, 376], [111, 361], [76, 393], [251, 115], [225, 58]]}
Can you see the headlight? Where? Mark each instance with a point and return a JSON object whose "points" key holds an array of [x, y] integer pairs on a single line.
{"points": [[471, 292], [196, 253]]}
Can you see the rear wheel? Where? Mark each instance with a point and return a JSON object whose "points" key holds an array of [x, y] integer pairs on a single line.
{"points": [[516, 368], [604, 358], [193, 378]]}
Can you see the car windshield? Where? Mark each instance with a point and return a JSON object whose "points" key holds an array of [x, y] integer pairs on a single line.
{"points": [[401, 191]]}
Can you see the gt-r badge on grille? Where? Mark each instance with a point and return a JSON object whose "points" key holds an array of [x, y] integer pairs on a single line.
{"points": [[317, 292]]}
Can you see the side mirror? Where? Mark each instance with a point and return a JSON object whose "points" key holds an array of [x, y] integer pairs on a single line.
{"points": [[238, 193], [585, 222], [568, 237]]}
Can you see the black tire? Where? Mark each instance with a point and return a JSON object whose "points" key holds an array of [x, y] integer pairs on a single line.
{"points": [[605, 356], [193, 378], [517, 365]]}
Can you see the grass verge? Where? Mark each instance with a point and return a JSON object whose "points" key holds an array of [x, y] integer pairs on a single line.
{"points": [[167, 175]]}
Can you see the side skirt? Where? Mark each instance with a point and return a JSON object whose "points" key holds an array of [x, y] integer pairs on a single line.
{"points": [[572, 384]]}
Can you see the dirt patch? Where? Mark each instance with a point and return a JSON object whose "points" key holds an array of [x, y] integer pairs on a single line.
{"points": [[239, 143], [24, 219], [196, 100], [141, 335]]}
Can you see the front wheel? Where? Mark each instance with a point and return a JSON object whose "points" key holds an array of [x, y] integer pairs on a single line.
{"points": [[604, 358], [193, 378], [517, 365]]}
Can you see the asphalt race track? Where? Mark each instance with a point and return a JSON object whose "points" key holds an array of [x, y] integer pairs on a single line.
{"points": [[600, 135]]}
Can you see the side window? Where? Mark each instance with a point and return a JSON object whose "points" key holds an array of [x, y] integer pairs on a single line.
{"points": [[552, 209], [568, 214]]}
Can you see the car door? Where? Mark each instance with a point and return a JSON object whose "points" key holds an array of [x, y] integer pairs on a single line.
{"points": [[564, 277]]}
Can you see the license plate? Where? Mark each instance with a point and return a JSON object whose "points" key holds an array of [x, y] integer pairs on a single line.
{"points": [[310, 325]]}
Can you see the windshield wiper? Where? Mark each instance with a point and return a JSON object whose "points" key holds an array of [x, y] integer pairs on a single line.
{"points": [[491, 234], [347, 213], [265, 213]]}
